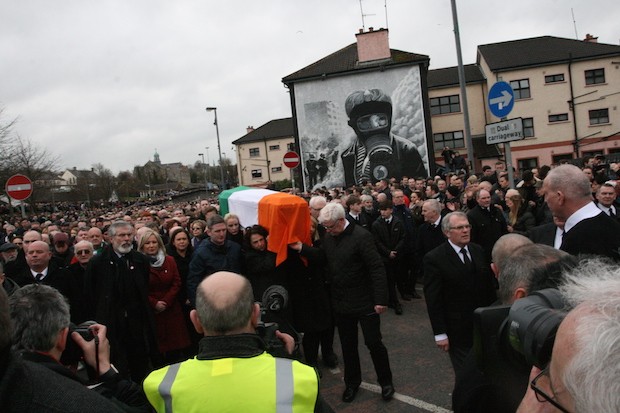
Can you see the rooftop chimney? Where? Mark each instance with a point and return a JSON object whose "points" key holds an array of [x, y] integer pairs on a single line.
{"points": [[590, 39], [372, 45], [249, 129]]}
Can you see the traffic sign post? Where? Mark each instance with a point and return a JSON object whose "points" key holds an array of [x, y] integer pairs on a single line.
{"points": [[19, 188], [501, 100], [291, 160]]}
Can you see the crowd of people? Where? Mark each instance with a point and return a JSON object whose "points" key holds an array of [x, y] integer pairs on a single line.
{"points": [[160, 283]]}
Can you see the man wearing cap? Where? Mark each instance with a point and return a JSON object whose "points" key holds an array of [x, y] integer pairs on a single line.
{"points": [[376, 153]]}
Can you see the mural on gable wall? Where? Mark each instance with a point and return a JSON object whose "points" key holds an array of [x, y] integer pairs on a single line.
{"points": [[360, 128]]}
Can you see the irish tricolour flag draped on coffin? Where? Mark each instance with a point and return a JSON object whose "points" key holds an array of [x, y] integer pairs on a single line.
{"points": [[285, 216]]}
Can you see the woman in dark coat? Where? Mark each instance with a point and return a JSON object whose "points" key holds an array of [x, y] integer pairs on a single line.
{"points": [[518, 217], [164, 286], [233, 228]]}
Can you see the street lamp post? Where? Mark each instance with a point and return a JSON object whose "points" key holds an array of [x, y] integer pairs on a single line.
{"points": [[219, 149], [208, 165], [204, 171]]}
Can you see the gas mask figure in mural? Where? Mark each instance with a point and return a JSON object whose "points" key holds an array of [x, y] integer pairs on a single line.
{"points": [[376, 153]]}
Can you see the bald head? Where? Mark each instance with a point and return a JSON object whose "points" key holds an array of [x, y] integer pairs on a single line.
{"points": [[38, 256], [566, 190], [505, 246], [29, 238], [225, 305]]}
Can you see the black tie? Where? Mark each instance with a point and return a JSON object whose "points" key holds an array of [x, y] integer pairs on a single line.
{"points": [[466, 259], [357, 218], [39, 277], [611, 213]]}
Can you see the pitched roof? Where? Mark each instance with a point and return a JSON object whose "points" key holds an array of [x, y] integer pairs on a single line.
{"points": [[345, 60], [277, 128], [541, 51], [449, 76]]}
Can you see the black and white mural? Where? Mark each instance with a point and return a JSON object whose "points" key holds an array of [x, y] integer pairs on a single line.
{"points": [[365, 127]]}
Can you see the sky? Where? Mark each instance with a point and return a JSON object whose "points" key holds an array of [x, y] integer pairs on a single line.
{"points": [[111, 81]]}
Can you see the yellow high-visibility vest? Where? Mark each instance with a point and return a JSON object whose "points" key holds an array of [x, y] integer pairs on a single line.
{"points": [[261, 383]]}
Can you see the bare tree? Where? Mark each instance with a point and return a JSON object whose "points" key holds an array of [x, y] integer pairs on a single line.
{"points": [[105, 181], [29, 159]]}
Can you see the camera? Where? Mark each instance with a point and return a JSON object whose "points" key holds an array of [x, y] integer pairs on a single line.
{"points": [[73, 353], [275, 316], [508, 340]]}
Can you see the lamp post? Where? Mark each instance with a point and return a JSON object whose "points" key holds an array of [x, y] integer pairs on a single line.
{"points": [[204, 171], [208, 165], [219, 149]]}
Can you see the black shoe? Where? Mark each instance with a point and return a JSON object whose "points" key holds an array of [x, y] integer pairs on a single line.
{"points": [[407, 297], [416, 295], [398, 309], [350, 392], [330, 361], [387, 392]]}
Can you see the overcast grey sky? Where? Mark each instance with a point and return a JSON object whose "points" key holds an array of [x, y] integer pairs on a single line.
{"points": [[110, 80]]}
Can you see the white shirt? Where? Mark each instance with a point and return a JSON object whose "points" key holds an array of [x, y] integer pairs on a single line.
{"points": [[587, 211], [605, 209], [35, 273]]}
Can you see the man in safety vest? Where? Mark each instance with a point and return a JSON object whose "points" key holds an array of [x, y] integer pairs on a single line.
{"points": [[232, 371]]}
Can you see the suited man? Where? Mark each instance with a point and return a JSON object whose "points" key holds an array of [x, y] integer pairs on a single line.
{"points": [[41, 270], [605, 197], [457, 280], [389, 235], [548, 234], [430, 235], [405, 273], [487, 222], [354, 214], [587, 229]]}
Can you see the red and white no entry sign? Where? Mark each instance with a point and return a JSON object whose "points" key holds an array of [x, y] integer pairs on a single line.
{"points": [[291, 159], [19, 187]]}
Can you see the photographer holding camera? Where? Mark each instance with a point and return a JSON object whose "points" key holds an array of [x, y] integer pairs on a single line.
{"points": [[41, 330], [583, 375], [233, 371]]}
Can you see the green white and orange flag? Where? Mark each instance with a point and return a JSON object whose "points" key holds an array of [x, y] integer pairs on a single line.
{"points": [[285, 216]]}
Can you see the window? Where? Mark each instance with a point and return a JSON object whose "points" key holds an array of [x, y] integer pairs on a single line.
{"points": [[521, 88], [554, 78], [528, 127], [290, 146], [561, 117], [276, 169], [257, 173], [527, 164], [449, 139], [598, 116], [445, 104], [274, 147], [254, 152], [560, 158], [595, 76]]}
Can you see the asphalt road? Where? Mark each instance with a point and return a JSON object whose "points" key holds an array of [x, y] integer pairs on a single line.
{"points": [[423, 376]]}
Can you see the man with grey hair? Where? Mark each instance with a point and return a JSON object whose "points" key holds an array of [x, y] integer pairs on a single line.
{"points": [[587, 229], [41, 332], [583, 375], [116, 284], [358, 285], [457, 280], [28, 387], [502, 249], [228, 317]]}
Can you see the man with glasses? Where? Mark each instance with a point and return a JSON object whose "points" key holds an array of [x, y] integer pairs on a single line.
{"points": [[83, 253], [457, 280], [582, 376], [359, 294]]}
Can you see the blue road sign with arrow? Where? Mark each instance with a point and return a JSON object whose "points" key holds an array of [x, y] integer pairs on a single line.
{"points": [[501, 99]]}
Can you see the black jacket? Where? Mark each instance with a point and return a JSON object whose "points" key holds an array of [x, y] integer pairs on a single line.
{"points": [[355, 271], [486, 227], [599, 235], [389, 238]]}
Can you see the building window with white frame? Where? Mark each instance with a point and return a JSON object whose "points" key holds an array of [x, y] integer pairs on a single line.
{"points": [[276, 169], [274, 147], [254, 152], [527, 164], [257, 173], [554, 78], [598, 116], [521, 88]]}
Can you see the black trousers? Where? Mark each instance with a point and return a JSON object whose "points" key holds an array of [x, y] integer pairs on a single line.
{"points": [[371, 329]]}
